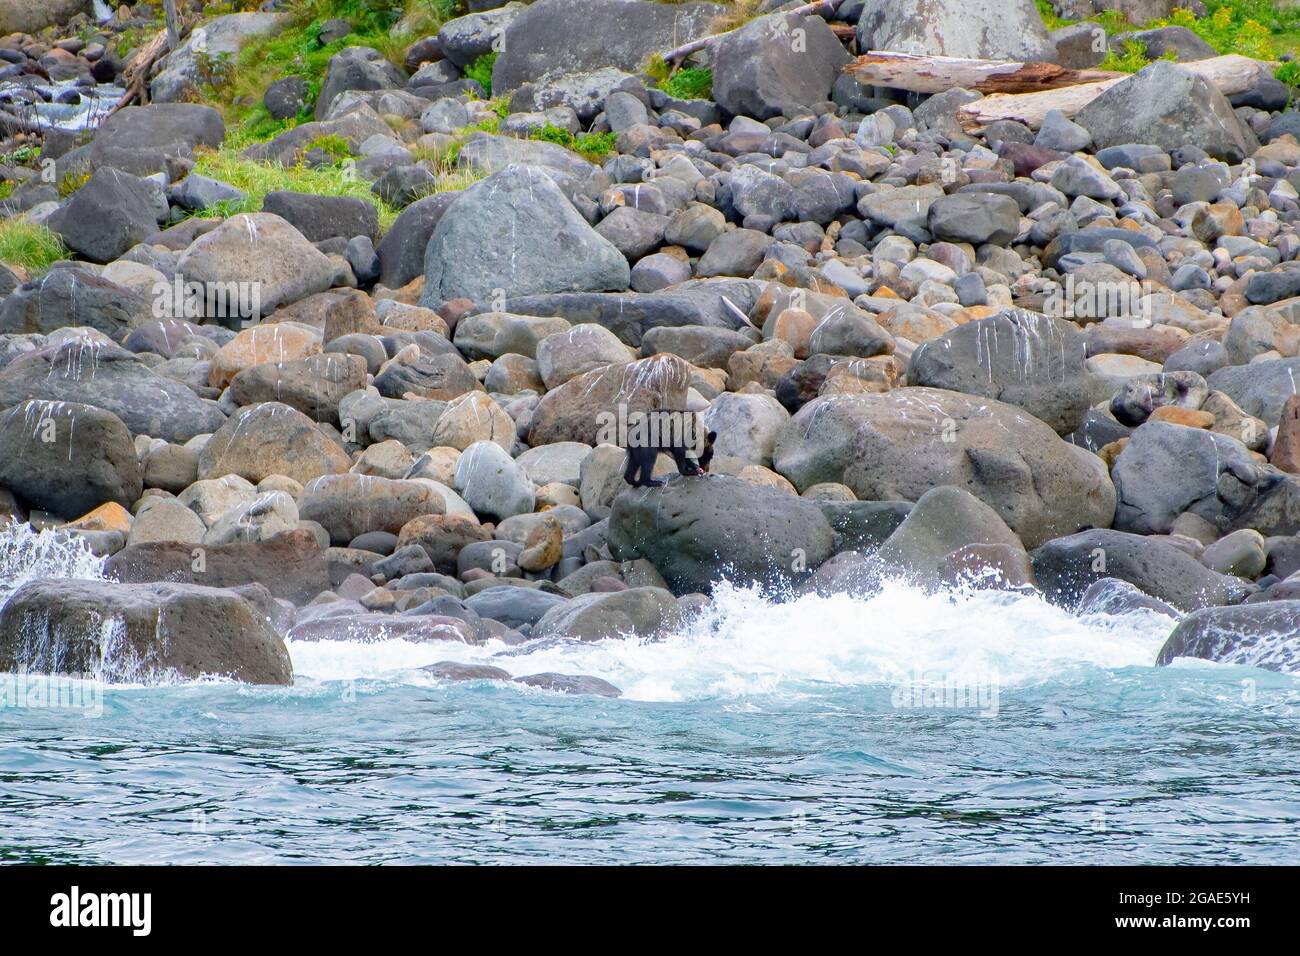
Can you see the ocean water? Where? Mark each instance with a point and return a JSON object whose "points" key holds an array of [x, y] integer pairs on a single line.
{"points": [[978, 727]]}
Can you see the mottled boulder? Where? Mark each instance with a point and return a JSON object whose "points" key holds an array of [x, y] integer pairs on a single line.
{"points": [[896, 446], [698, 531], [313, 385], [73, 298], [615, 33], [156, 632], [1066, 567], [271, 439], [350, 505], [975, 29], [67, 458], [584, 406], [257, 251], [1024, 359]]}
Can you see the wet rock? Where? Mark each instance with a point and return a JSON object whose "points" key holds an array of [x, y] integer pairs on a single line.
{"points": [[643, 613], [694, 532], [1257, 635], [943, 520], [571, 684], [290, 565], [1066, 567], [157, 631]]}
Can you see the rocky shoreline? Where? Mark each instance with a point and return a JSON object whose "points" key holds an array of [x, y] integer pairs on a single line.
{"points": [[1059, 359]]}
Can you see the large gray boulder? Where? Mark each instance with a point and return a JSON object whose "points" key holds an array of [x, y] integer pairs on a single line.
{"points": [[108, 215], [401, 251], [142, 138], [271, 439], [777, 65], [67, 458], [1168, 106], [615, 33], [1263, 635], [488, 153], [515, 233], [945, 519], [1167, 469], [699, 531], [896, 446], [155, 632], [215, 40], [977, 29], [647, 613], [113, 379], [356, 68], [1032, 361], [1066, 567]]}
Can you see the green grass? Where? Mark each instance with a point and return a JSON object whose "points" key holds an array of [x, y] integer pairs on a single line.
{"points": [[256, 179], [481, 71], [29, 246], [592, 147], [689, 83]]}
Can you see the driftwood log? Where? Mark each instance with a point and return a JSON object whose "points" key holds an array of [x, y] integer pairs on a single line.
{"points": [[135, 77], [936, 74]]}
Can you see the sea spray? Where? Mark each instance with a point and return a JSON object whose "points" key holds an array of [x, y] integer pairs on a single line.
{"points": [[28, 555], [748, 645]]}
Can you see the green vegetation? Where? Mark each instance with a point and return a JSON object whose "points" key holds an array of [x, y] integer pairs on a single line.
{"points": [[690, 83], [592, 147], [72, 180], [389, 26], [29, 246], [481, 71], [1131, 58], [257, 179], [1254, 28]]}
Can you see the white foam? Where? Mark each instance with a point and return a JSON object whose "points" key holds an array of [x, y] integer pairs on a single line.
{"points": [[748, 645], [27, 555]]}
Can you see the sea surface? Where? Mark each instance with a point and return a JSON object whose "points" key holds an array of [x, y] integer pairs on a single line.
{"points": [[980, 727]]}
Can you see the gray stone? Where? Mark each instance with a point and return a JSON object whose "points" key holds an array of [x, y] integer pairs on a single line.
{"points": [[515, 231], [1066, 567], [765, 69], [697, 531], [975, 29], [1258, 635], [1166, 105]]}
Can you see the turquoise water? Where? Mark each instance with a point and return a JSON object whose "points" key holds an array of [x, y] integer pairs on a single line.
{"points": [[767, 733]]}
